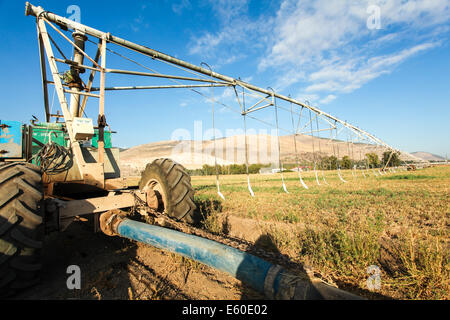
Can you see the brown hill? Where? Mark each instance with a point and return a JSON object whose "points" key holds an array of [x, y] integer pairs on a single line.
{"points": [[261, 149], [427, 156]]}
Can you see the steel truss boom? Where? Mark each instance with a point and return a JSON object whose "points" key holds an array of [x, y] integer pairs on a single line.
{"points": [[223, 79]]}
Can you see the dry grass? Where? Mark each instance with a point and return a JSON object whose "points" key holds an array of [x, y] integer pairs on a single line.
{"points": [[398, 222]]}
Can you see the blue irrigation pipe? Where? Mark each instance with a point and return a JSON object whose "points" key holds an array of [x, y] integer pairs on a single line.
{"points": [[269, 279]]}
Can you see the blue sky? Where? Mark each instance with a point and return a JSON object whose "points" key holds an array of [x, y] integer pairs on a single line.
{"points": [[391, 78]]}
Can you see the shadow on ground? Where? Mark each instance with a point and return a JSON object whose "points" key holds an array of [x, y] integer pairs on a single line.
{"points": [[306, 287], [117, 268]]}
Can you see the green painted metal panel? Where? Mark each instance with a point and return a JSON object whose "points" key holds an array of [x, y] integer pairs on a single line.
{"points": [[45, 132], [106, 137], [49, 134]]}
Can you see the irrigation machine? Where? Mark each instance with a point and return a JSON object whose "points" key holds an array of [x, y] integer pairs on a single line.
{"points": [[54, 171]]}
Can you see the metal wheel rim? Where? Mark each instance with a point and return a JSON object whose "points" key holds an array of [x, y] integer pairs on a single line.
{"points": [[157, 187]]}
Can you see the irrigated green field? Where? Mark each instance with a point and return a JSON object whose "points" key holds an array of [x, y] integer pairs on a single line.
{"points": [[398, 222]]}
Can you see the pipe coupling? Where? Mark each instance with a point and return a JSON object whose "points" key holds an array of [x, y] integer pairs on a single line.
{"points": [[110, 220]]}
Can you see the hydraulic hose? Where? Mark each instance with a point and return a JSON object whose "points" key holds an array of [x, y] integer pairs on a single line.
{"points": [[269, 279]]}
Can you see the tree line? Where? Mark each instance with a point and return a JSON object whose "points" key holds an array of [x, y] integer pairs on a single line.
{"points": [[207, 170], [392, 159]]}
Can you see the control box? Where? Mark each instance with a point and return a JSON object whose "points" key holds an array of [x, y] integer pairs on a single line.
{"points": [[83, 128]]}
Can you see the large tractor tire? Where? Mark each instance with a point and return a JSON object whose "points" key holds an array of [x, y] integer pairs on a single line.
{"points": [[21, 226], [172, 186]]}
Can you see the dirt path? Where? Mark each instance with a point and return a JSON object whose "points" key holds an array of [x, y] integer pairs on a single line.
{"points": [[117, 268]]}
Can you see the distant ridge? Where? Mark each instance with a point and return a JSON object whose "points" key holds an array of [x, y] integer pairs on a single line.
{"points": [[261, 149], [427, 156]]}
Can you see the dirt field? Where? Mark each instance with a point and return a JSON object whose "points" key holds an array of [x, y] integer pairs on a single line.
{"points": [[117, 268], [397, 222]]}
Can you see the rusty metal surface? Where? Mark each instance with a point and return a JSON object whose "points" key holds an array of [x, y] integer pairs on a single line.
{"points": [[122, 183], [111, 160], [74, 208], [110, 220], [152, 200], [94, 205]]}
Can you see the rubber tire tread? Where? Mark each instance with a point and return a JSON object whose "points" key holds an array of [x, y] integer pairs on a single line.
{"points": [[21, 226], [178, 194]]}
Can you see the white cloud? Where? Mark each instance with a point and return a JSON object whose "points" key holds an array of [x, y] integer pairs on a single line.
{"points": [[308, 98], [180, 6], [139, 23], [346, 76], [328, 99], [247, 79], [237, 31], [326, 44], [324, 47]]}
